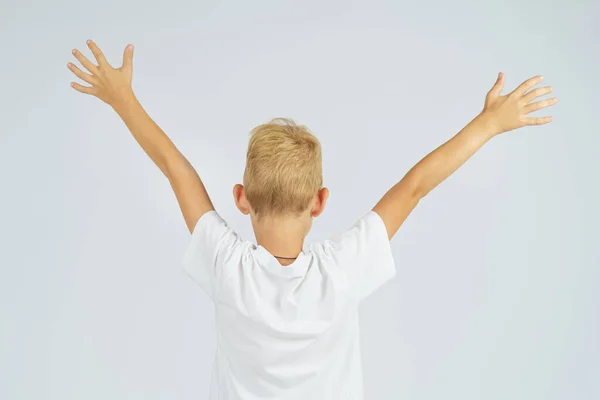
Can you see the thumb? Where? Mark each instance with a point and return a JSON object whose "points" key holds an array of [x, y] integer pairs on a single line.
{"points": [[498, 86], [128, 58]]}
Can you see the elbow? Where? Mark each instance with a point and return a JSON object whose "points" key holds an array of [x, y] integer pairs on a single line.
{"points": [[419, 193], [416, 189], [173, 164]]}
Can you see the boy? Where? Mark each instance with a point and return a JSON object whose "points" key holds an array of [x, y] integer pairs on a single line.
{"points": [[286, 316]]}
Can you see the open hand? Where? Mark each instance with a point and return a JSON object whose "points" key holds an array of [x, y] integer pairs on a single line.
{"points": [[509, 112], [108, 84]]}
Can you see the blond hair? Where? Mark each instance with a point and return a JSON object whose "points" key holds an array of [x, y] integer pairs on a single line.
{"points": [[283, 168]]}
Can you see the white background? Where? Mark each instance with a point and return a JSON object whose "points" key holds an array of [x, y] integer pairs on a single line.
{"points": [[496, 295]]}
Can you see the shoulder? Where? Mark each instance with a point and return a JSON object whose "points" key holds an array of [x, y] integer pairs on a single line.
{"points": [[214, 252], [213, 242], [362, 252], [368, 228]]}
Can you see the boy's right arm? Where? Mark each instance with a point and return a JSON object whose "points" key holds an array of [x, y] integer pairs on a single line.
{"points": [[113, 86], [500, 114]]}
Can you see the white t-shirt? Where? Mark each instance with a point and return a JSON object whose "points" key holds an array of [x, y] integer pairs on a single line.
{"points": [[288, 332]]}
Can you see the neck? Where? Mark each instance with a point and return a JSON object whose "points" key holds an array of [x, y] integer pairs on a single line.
{"points": [[281, 236]]}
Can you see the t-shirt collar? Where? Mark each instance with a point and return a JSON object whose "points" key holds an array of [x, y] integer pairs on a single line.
{"points": [[295, 269]]}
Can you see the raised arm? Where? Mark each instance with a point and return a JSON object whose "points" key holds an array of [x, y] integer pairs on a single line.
{"points": [[113, 86], [500, 114]]}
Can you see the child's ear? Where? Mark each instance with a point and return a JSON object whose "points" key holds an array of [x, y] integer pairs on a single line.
{"points": [[241, 202], [320, 201]]}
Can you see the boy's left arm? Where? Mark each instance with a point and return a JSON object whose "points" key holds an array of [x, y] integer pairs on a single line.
{"points": [[113, 86], [500, 114]]}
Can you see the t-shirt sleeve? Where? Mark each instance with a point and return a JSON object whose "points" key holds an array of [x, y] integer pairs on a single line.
{"points": [[363, 253], [211, 247]]}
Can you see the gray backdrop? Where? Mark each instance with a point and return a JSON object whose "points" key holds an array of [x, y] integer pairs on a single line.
{"points": [[496, 295]]}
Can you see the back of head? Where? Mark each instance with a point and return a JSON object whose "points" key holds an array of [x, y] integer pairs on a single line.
{"points": [[283, 168]]}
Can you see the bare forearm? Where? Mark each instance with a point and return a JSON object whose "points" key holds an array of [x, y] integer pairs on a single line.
{"points": [[500, 114], [447, 158], [113, 86], [187, 185], [147, 133], [395, 206]]}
